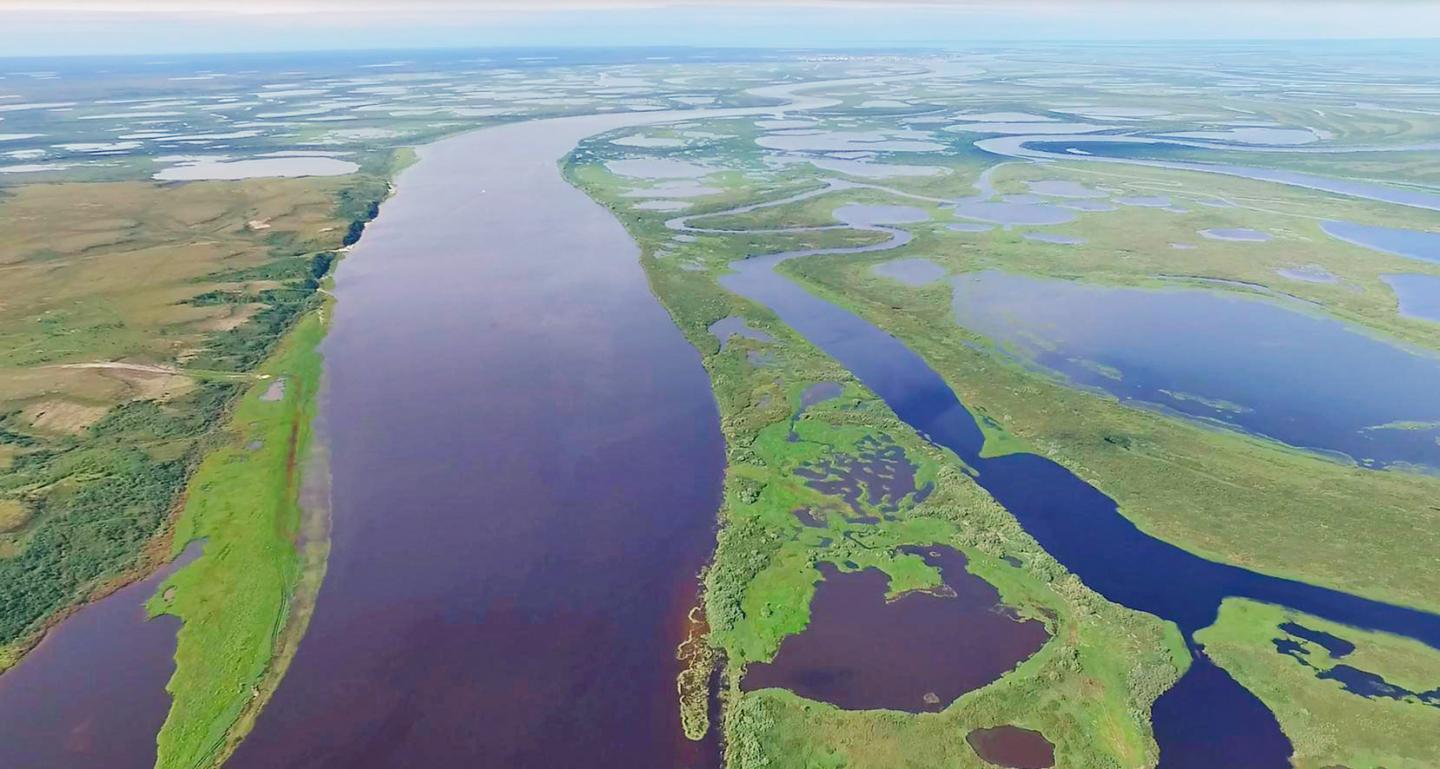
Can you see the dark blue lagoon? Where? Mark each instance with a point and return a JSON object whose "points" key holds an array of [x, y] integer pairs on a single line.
{"points": [[1263, 366]]}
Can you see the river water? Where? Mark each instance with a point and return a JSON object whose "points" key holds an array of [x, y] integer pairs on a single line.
{"points": [[67, 705], [526, 466], [526, 463]]}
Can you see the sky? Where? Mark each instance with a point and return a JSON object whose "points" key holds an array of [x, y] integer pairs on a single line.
{"points": [[65, 27]]}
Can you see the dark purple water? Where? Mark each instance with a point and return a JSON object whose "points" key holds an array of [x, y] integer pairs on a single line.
{"points": [[1013, 747], [917, 653], [526, 466], [1207, 720], [92, 694]]}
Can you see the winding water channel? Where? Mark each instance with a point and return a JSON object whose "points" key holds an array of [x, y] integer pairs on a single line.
{"points": [[1206, 720]]}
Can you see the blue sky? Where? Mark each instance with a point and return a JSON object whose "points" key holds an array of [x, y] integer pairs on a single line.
{"points": [[44, 27]]}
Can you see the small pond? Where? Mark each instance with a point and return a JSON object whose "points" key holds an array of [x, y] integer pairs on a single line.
{"points": [[865, 215], [1419, 295], [1144, 201], [919, 652], [733, 326], [1415, 244], [842, 141], [1012, 747], [197, 168]]}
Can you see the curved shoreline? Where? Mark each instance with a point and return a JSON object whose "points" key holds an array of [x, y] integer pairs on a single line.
{"points": [[523, 269]]}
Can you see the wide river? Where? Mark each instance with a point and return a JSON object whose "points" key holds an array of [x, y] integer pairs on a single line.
{"points": [[526, 467], [526, 464]]}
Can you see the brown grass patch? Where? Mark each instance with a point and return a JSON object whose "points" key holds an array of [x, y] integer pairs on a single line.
{"points": [[57, 416], [230, 316], [12, 515]]}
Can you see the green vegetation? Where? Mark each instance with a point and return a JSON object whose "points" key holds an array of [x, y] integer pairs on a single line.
{"points": [[117, 371], [110, 489], [1328, 725], [1184, 482], [1089, 688], [234, 601], [140, 390]]}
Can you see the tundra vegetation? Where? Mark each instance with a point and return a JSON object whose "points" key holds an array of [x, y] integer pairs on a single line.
{"points": [[1089, 689], [143, 322], [1216, 491]]}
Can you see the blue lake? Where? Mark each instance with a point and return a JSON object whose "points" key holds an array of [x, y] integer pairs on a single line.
{"points": [[1415, 244], [1254, 364]]}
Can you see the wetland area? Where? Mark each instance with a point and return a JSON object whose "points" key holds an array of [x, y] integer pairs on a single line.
{"points": [[764, 410]]}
